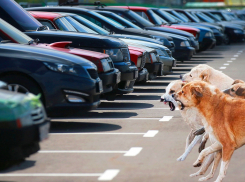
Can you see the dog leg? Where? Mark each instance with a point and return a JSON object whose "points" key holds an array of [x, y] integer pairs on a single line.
{"points": [[203, 142], [190, 147], [207, 162], [211, 149], [189, 139], [226, 156], [217, 158]]}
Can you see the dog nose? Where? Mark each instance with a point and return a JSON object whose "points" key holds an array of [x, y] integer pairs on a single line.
{"points": [[162, 100], [180, 76], [173, 95]]}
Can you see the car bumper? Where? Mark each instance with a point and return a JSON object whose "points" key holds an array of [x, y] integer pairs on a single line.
{"points": [[237, 37], [153, 67], [195, 45], [143, 75], [128, 76], [207, 43], [219, 38], [110, 79], [168, 63], [183, 53], [20, 143]]}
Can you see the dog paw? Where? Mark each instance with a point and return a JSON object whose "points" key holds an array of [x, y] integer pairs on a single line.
{"points": [[181, 158], [194, 174], [197, 164], [203, 179]]}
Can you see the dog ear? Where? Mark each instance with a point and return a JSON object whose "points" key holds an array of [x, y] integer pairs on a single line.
{"points": [[240, 91], [205, 75], [197, 90], [237, 81]]}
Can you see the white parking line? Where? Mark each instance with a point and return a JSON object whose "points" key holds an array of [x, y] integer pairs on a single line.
{"points": [[229, 61], [166, 118], [109, 119], [226, 64], [131, 152], [132, 108], [108, 175], [233, 59], [150, 133], [236, 55], [222, 68], [51, 174]]}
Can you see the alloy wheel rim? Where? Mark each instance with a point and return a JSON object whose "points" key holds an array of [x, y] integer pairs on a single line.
{"points": [[18, 88]]}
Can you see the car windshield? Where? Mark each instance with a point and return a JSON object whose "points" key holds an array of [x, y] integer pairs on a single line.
{"points": [[13, 13], [113, 23], [205, 17], [221, 16], [64, 25], [166, 16], [181, 15], [139, 19], [193, 17], [176, 18], [79, 26], [121, 20], [157, 19], [210, 15], [90, 25], [14, 33]]}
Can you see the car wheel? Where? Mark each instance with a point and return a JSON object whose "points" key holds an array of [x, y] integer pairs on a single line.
{"points": [[227, 40], [22, 84]]}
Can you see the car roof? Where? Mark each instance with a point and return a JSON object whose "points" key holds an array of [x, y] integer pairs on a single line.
{"points": [[104, 8], [133, 7]]}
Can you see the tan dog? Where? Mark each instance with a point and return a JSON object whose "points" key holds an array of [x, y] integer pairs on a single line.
{"points": [[237, 90], [223, 119], [208, 74]]}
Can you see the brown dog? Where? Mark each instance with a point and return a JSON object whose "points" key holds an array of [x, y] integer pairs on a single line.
{"points": [[237, 90], [223, 119]]}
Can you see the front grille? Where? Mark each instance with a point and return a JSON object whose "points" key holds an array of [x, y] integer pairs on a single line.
{"points": [[169, 53], [143, 61], [38, 115], [93, 73], [126, 55], [110, 63], [172, 44]]}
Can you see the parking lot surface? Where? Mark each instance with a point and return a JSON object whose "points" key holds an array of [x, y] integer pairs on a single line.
{"points": [[135, 138]]}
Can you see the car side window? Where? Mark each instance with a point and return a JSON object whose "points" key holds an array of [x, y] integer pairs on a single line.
{"points": [[47, 23], [92, 20]]}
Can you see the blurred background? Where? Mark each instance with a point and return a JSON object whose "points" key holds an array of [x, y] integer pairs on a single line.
{"points": [[217, 4]]}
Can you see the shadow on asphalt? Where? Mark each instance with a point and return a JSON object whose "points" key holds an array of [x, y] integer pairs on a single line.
{"points": [[140, 97], [71, 127], [125, 105], [21, 166], [138, 90], [207, 57], [152, 83]]}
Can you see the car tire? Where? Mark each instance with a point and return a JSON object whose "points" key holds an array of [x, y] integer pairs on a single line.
{"points": [[227, 40], [23, 84]]}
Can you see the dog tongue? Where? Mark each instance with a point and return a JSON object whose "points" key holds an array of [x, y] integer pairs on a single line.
{"points": [[171, 105]]}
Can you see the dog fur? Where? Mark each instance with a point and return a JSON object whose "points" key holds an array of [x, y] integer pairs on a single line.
{"points": [[223, 119]]}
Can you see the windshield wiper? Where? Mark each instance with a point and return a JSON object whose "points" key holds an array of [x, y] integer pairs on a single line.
{"points": [[43, 27]]}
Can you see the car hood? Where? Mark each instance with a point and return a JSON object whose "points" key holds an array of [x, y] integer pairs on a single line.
{"points": [[41, 54], [148, 44], [176, 36], [145, 32], [81, 40], [140, 48], [170, 30], [134, 37]]}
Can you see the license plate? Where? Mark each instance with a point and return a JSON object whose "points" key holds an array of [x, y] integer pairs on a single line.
{"points": [[100, 86], [43, 131], [118, 77], [136, 74]]}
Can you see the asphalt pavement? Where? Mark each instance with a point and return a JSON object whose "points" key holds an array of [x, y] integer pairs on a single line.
{"points": [[135, 138]]}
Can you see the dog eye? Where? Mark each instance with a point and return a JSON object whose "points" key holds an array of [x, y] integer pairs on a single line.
{"points": [[190, 75], [232, 90], [172, 91], [182, 91]]}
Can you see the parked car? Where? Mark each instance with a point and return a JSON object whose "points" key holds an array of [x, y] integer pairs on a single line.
{"points": [[205, 30], [109, 75], [66, 23], [23, 124], [12, 13], [103, 22], [67, 83]]}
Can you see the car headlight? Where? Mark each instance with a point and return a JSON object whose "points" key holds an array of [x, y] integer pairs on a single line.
{"points": [[185, 44], [161, 52], [238, 31], [153, 58], [208, 34], [105, 65], [139, 62], [115, 54], [62, 68]]}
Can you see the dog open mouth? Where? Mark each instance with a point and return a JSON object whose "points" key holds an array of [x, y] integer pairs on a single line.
{"points": [[171, 105], [181, 105]]}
